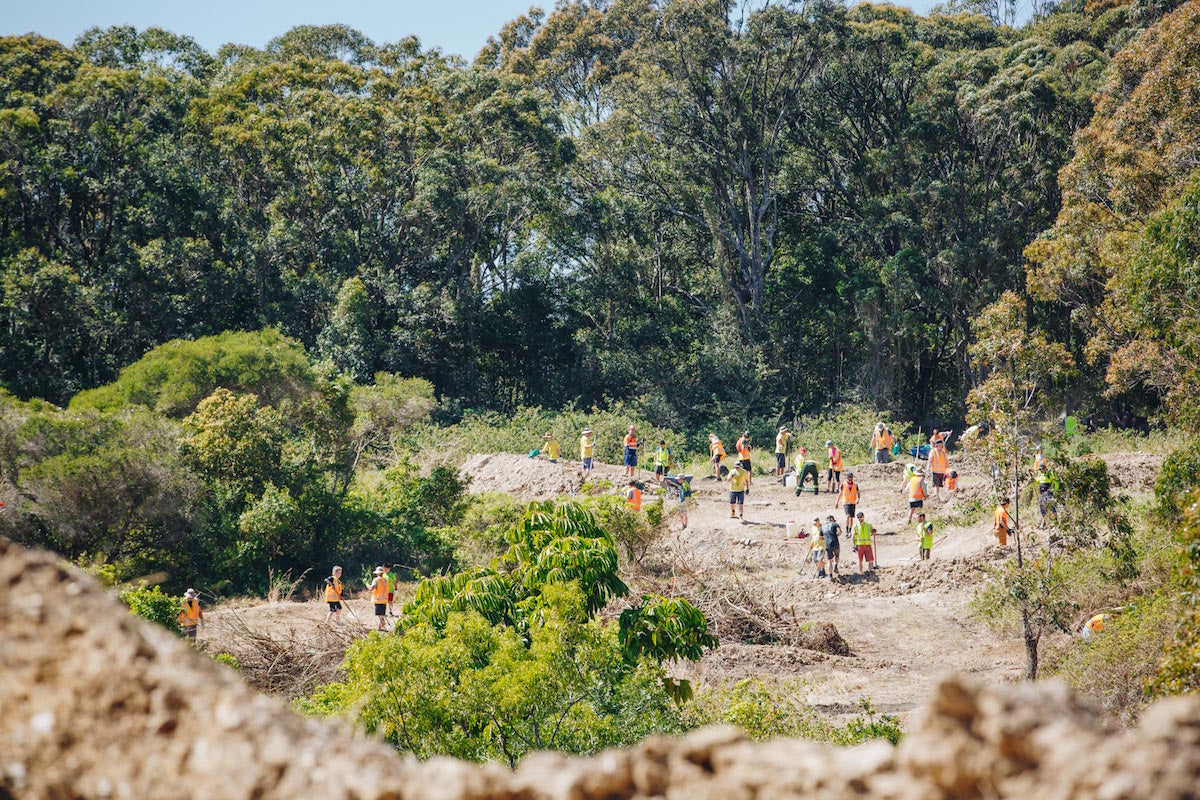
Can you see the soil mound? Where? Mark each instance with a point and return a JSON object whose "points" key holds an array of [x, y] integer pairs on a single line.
{"points": [[101, 705], [521, 476]]}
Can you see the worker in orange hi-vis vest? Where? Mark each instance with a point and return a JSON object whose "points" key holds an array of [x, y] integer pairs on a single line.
{"points": [[1003, 525], [833, 480], [190, 616], [848, 497], [939, 465], [379, 591]]}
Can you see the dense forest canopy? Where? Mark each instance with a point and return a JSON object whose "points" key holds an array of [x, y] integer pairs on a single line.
{"points": [[706, 209]]}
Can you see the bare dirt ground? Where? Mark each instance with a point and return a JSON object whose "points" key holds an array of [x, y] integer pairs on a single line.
{"points": [[905, 624]]}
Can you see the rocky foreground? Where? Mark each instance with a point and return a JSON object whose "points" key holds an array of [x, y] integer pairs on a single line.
{"points": [[98, 704]]}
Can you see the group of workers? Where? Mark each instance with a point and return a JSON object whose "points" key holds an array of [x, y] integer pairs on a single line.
{"points": [[825, 551]]}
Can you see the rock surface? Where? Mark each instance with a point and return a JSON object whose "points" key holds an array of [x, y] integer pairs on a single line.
{"points": [[98, 704]]}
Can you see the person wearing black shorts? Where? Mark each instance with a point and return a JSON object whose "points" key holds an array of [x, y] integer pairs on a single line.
{"points": [[833, 548]]}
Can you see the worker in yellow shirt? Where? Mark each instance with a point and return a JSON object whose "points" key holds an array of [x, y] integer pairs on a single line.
{"points": [[738, 481], [587, 449], [551, 448], [781, 448]]}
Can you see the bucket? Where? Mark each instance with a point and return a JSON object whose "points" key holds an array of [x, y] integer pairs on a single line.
{"points": [[789, 480], [793, 530]]}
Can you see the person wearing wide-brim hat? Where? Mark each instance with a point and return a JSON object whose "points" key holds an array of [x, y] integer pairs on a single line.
{"points": [[379, 591], [781, 449], [190, 615]]}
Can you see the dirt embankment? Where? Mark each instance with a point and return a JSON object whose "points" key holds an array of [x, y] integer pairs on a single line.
{"points": [[100, 705], [523, 477]]}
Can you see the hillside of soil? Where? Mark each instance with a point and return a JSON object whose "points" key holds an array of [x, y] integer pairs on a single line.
{"points": [[102, 705]]}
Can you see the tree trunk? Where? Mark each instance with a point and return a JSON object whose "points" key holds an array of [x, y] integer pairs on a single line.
{"points": [[1031, 644]]}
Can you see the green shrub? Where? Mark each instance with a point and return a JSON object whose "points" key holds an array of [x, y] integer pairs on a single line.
{"points": [[173, 377], [634, 532], [228, 659], [154, 605], [1179, 478]]}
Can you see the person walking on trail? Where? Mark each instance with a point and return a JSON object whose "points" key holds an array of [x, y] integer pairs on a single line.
{"points": [[830, 531], [743, 454], [630, 442], [716, 453], [393, 578], [552, 448], [1047, 485], [938, 466], [1003, 524], [806, 468], [587, 449], [378, 588], [833, 481], [864, 542], [738, 481], [881, 444], [781, 447], [190, 616], [662, 459], [333, 596], [633, 496], [818, 546], [924, 537], [847, 498], [914, 483]]}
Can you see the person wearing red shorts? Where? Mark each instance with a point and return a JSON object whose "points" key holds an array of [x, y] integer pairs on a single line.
{"points": [[864, 542]]}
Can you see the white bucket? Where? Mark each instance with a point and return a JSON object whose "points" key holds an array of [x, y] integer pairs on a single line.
{"points": [[789, 480], [793, 530]]}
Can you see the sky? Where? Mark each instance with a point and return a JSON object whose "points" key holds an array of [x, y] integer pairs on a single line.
{"points": [[455, 26]]}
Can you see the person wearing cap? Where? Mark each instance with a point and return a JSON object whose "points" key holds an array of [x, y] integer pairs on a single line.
{"points": [[551, 448], [833, 481], [864, 542], [1003, 525], [378, 588], [587, 449], [781, 447], [190, 615], [333, 596], [631, 444], [662, 459]]}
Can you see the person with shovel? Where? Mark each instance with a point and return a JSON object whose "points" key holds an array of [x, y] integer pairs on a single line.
{"points": [[864, 542], [806, 468]]}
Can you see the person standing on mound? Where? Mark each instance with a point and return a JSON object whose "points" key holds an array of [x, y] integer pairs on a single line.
{"points": [[630, 444], [587, 449]]}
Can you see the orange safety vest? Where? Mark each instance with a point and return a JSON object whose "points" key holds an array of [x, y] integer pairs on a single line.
{"points": [[743, 448], [1003, 521], [717, 449], [1039, 461], [379, 589], [634, 496], [190, 615], [937, 460], [916, 488], [849, 494], [333, 591], [631, 441], [835, 459], [952, 482]]}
